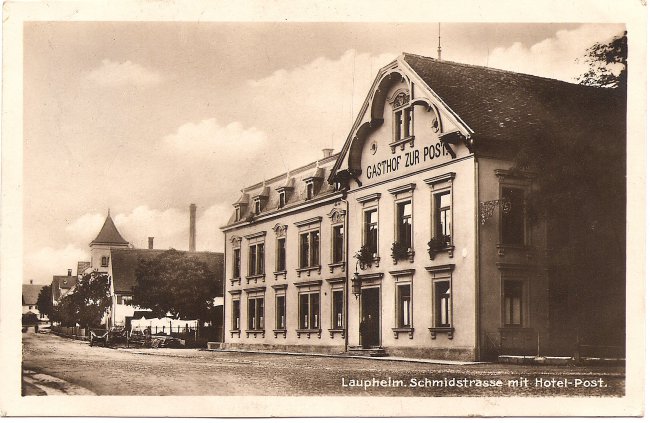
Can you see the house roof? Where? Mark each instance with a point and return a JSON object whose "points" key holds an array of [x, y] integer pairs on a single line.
{"points": [[508, 106], [65, 282], [109, 234], [125, 262], [30, 293]]}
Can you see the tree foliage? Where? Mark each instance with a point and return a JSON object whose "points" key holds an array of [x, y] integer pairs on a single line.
{"points": [[607, 64], [175, 283], [87, 304], [44, 301]]}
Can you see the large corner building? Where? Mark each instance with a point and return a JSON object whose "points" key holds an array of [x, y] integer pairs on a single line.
{"points": [[413, 240]]}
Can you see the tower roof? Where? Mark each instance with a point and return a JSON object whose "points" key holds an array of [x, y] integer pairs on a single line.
{"points": [[109, 235]]}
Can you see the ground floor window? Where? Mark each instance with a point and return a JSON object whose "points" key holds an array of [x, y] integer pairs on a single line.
{"points": [[309, 311], [442, 301], [235, 314], [280, 312], [404, 306], [256, 313], [512, 303], [337, 309]]}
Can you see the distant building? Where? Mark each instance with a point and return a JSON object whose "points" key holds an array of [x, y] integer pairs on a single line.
{"points": [[112, 254], [61, 286], [423, 190], [30, 299]]}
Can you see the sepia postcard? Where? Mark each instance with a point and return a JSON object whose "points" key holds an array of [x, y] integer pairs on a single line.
{"points": [[282, 209]]}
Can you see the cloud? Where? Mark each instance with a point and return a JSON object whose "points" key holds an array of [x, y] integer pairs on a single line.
{"points": [[114, 74], [85, 228], [210, 137], [553, 57], [48, 261]]}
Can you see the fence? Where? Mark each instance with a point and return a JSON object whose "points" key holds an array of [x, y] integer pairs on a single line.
{"points": [[70, 332]]}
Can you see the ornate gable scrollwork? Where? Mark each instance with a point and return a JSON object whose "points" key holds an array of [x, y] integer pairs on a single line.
{"points": [[280, 230], [337, 215], [235, 241], [400, 98]]}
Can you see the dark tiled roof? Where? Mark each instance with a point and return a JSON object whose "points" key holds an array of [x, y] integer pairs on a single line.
{"points": [[508, 106], [30, 293], [125, 262], [65, 282], [109, 234]]}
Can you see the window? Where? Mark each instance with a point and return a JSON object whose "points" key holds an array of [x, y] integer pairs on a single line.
{"points": [[513, 229], [256, 259], [402, 120], [281, 255], [337, 244], [442, 304], [309, 249], [309, 311], [105, 261], [310, 190], [337, 310], [404, 306], [404, 223], [280, 312], [370, 229], [442, 216], [237, 213], [258, 206], [256, 313], [283, 199], [235, 315], [31, 307], [512, 303], [236, 263]]}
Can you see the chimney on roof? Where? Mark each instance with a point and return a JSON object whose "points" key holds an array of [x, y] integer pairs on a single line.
{"points": [[439, 48], [327, 152], [69, 272], [151, 243], [192, 227]]}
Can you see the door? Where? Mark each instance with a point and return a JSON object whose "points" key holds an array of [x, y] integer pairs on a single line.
{"points": [[369, 324]]}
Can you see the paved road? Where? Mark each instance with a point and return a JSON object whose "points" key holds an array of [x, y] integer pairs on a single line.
{"points": [[54, 365]]}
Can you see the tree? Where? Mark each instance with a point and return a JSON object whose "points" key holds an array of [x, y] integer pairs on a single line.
{"points": [[87, 304], [607, 64], [175, 283], [44, 301]]}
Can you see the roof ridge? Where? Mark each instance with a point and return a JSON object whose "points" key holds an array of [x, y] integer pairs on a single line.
{"points": [[109, 234]]}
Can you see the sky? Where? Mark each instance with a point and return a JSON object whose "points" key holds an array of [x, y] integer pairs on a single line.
{"points": [[145, 118]]}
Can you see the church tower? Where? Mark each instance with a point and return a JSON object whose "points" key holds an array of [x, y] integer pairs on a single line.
{"points": [[100, 248]]}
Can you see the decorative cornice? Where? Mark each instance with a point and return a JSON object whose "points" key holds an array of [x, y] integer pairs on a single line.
{"points": [[234, 291], [256, 235], [280, 230], [445, 177], [371, 276], [441, 270], [308, 283], [368, 198], [235, 241], [402, 188], [255, 289], [337, 215], [306, 222], [335, 281], [514, 266], [404, 272], [280, 287], [507, 173]]}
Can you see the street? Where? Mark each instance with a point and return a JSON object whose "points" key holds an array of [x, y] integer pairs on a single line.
{"points": [[54, 365]]}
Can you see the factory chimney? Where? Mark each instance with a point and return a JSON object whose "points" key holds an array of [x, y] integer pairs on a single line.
{"points": [[192, 227], [151, 243]]}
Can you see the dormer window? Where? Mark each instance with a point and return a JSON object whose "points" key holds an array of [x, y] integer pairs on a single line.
{"points": [[283, 199], [258, 206], [310, 190], [237, 213], [402, 119]]}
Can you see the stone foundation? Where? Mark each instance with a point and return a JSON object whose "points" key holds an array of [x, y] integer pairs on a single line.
{"points": [[310, 349], [455, 354]]}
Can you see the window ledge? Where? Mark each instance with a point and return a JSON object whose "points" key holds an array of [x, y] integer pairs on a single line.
{"points": [[282, 332], [308, 332], [333, 266], [448, 330], [503, 248], [235, 332], [255, 332], [282, 273], [402, 143], [308, 270], [234, 281], [335, 331], [397, 331], [409, 256], [449, 249], [254, 278]]}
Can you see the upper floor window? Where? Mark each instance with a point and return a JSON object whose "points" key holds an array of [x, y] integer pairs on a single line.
{"points": [[513, 216], [370, 229], [404, 223], [258, 206], [105, 261], [283, 199], [310, 249], [256, 259], [512, 303], [338, 245], [236, 263], [442, 216], [403, 119], [237, 213], [310, 190], [281, 255]]}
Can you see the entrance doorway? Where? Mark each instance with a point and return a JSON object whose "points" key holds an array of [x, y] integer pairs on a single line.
{"points": [[369, 324]]}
